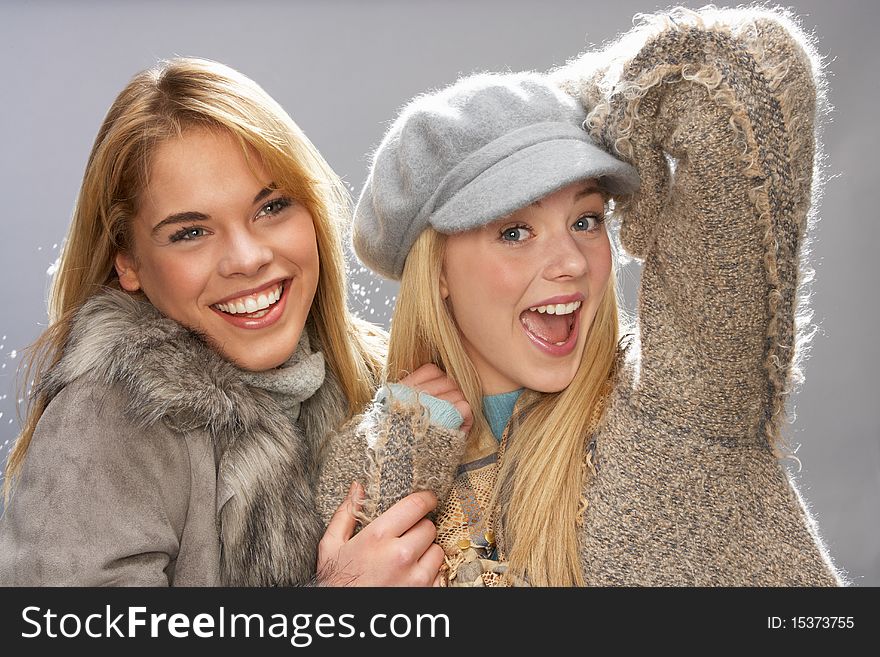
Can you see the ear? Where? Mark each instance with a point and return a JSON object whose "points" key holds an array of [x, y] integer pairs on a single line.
{"points": [[127, 272], [444, 288]]}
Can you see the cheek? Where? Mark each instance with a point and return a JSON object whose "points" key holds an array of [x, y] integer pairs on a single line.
{"points": [[600, 261], [310, 268], [299, 245], [483, 292], [175, 284]]}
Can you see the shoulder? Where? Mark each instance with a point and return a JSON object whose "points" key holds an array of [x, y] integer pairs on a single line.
{"points": [[100, 499], [90, 454], [89, 414]]}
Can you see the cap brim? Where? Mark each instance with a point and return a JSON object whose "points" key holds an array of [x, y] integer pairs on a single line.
{"points": [[529, 175]]}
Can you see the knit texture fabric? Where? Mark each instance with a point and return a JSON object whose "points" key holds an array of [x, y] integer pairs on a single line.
{"points": [[498, 408], [440, 412], [393, 449], [294, 381]]}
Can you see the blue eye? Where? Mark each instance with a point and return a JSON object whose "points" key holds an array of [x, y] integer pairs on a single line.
{"points": [[274, 206], [515, 234], [587, 223], [187, 234]]}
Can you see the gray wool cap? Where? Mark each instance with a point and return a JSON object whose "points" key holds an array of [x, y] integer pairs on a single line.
{"points": [[468, 154]]}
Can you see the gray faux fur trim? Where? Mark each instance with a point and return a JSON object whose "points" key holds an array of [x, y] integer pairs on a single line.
{"points": [[270, 526]]}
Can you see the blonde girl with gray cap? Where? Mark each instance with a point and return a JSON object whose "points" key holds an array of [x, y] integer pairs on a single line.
{"points": [[596, 461]]}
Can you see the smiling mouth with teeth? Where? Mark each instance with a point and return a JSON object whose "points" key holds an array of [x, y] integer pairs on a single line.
{"points": [[253, 306], [551, 324]]}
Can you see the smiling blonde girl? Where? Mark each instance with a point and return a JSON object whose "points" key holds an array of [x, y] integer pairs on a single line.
{"points": [[199, 353]]}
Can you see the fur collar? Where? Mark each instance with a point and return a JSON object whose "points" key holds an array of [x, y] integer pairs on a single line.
{"points": [[268, 520]]}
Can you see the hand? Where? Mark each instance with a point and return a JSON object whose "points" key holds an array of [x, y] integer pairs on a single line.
{"points": [[396, 549], [432, 380]]}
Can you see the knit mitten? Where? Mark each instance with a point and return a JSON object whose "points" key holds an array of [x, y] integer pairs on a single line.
{"points": [[716, 111], [394, 449]]}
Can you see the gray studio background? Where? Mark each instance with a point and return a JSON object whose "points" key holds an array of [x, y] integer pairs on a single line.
{"points": [[342, 69]]}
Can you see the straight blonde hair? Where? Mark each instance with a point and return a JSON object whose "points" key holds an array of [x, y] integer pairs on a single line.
{"points": [[541, 478], [162, 103]]}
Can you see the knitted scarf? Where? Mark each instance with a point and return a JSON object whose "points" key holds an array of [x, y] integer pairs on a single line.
{"points": [[294, 381]]}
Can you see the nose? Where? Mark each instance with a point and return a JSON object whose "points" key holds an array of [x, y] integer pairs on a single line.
{"points": [[245, 255], [565, 259]]}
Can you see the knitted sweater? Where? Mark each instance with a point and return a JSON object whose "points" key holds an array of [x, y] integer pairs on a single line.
{"points": [[716, 110]]}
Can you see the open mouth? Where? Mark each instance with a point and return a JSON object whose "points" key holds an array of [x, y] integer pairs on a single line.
{"points": [[253, 306], [553, 324]]}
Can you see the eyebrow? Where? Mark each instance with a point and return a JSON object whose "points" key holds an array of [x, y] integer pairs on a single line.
{"points": [[588, 189], [191, 216]]}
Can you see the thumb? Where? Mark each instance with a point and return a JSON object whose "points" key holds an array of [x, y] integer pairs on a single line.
{"points": [[341, 526]]}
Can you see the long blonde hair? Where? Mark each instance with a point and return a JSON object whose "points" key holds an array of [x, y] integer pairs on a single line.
{"points": [[542, 472], [159, 104]]}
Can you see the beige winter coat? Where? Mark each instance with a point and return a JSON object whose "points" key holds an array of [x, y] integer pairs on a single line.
{"points": [[155, 464]]}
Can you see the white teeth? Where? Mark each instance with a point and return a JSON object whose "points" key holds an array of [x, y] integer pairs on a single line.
{"points": [[557, 309], [252, 304]]}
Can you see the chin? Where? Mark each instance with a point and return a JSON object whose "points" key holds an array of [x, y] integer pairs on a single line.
{"points": [[549, 387], [256, 362], [551, 384], [266, 352], [552, 378]]}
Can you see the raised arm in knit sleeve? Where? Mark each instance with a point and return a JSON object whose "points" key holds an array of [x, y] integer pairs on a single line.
{"points": [[716, 109], [98, 502]]}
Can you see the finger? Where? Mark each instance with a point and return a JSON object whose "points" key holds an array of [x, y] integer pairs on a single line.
{"points": [[462, 406], [356, 495], [403, 514], [418, 539], [416, 377], [430, 563], [424, 373], [439, 387], [464, 409], [342, 524], [454, 395]]}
